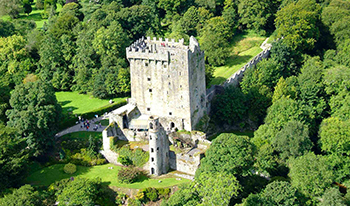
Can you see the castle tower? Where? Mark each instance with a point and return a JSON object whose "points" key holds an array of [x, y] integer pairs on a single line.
{"points": [[158, 148], [168, 80]]}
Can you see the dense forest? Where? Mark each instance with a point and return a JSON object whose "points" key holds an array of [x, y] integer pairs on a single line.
{"points": [[297, 101]]}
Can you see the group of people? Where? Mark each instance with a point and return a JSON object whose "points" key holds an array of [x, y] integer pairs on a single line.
{"points": [[86, 124]]}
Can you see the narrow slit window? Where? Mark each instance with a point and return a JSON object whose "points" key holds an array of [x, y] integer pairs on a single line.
{"points": [[149, 79], [146, 64], [170, 113], [152, 159], [152, 150], [150, 90], [148, 109]]}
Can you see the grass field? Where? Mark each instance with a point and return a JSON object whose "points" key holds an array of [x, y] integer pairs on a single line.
{"points": [[49, 175], [81, 103], [243, 48], [35, 15]]}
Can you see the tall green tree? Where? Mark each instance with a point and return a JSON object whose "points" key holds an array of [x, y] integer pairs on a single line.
{"points": [[214, 40], [228, 153], [11, 8], [258, 15], [13, 158], [297, 23], [311, 174], [35, 113], [25, 195]]}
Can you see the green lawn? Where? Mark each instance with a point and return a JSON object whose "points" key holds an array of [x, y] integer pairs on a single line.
{"points": [[104, 122], [243, 48], [81, 103], [35, 15], [49, 175]]}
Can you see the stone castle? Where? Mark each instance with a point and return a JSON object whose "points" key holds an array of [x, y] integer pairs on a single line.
{"points": [[168, 93]]}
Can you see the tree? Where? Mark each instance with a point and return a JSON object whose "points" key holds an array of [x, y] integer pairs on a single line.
{"points": [[311, 174], [228, 153], [27, 7], [208, 189], [11, 8], [258, 15], [293, 140], [39, 4], [214, 40], [230, 106], [217, 188], [337, 16], [13, 158], [80, 192], [35, 113], [276, 193], [25, 195], [335, 136], [332, 197], [4, 100], [297, 23]]}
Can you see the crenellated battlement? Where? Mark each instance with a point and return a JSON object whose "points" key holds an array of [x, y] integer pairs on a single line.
{"points": [[158, 49]]}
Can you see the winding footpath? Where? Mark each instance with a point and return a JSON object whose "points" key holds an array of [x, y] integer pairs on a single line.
{"points": [[77, 127]]}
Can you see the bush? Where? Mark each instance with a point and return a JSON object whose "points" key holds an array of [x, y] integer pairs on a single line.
{"points": [[163, 193], [151, 194], [124, 160], [133, 202], [128, 175], [70, 168], [87, 158], [137, 156]]}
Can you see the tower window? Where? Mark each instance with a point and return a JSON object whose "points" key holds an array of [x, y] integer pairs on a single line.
{"points": [[148, 109], [152, 159], [150, 90], [149, 79], [146, 64], [169, 83], [170, 113], [168, 76], [152, 150], [164, 65], [180, 86], [180, 73], [157, 148]]}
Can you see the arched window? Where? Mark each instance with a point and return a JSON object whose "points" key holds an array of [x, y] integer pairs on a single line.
{"points": [[172, 125], [150, 125]]}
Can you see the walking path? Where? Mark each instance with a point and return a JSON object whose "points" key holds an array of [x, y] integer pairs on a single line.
{"points": [[78, 128]]}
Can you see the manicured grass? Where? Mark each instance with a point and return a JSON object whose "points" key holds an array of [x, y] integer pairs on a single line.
{"points": [[81, 103], [104, 122], [82, 135], [49, 175], [243, 48], [35, 15]]}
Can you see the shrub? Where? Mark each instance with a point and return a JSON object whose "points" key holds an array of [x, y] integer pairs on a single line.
{"points": [[87, 158], [124, 160], [133, 202], [70, 168], [137, 156], [163, 193], [128, 175], [151, 194]]}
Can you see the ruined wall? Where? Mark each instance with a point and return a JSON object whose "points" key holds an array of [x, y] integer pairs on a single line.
{"points": [[237, 76], [184, 162]]}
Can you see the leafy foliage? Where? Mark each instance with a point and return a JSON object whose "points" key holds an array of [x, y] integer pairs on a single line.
{"points": [[228, 153], [25, 195], [70, 168], [128, 175], [35, 113]]}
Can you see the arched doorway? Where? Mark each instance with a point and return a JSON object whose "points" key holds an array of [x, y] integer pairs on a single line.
{"points": [[172, 125], [152, 171]]}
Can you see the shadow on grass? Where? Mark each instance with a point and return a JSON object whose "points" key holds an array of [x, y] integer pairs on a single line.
{"points": [[32, 16], [53, 173], [217, 81], [63, 103], [235, 60]]}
